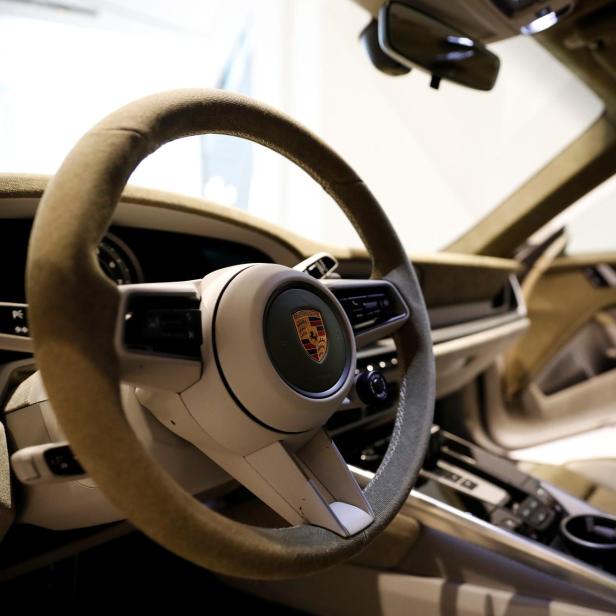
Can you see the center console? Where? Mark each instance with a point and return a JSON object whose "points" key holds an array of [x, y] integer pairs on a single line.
{"points": [[493, 490], [485, 500], [490, 488]]}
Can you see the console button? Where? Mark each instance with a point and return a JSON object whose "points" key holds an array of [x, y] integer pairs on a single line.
{"points": [[533, 512], [165, 325], [541, 519], [533, 487], [504, 519], [524, 511], [510, 523], [469, 484], [62, 462], [532, 503]]}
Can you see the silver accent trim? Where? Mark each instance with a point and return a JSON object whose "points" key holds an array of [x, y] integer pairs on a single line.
{"points": [[440, 516], [455, 332], [608, 273]]}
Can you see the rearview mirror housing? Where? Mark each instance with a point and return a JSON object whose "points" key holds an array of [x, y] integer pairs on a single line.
{"points": [[415, 39]]}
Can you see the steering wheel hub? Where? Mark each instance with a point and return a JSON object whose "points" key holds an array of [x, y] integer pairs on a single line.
{"points": [[307, 341], [260, 330]]}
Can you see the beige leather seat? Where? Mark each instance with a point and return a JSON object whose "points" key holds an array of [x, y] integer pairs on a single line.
{"points": [[593, 481]]}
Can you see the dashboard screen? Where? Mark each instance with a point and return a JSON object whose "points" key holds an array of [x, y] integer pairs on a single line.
{"points": [[129, 255]]}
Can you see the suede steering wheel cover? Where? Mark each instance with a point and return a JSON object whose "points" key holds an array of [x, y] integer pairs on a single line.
{"points": [[72, 313]]}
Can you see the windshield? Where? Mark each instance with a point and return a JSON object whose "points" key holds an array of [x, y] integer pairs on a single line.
{"points": [[437, 160]]}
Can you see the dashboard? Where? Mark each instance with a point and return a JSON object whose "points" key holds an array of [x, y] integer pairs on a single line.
{"points": [[474, 304], [475, 307]]}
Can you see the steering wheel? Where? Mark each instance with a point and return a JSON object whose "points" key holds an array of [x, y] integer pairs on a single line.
{"points": [[247, 364]]}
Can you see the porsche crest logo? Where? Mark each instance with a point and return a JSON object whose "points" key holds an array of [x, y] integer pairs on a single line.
{"points": [[311, 333]]}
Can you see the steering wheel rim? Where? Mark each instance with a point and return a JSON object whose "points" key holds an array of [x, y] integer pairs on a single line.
{"points": [[73, 312]]}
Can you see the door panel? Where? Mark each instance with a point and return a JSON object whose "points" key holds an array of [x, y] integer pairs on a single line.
{"points": [[565, 365], [568, 308]]}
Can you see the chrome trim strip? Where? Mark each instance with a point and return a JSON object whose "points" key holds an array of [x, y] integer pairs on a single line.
{"points": [[608, 273], [16, 343], [456, 332]]}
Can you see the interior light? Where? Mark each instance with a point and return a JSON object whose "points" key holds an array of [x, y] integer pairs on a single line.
{"points": [[455, 56], [540, 24], [464, 41]]}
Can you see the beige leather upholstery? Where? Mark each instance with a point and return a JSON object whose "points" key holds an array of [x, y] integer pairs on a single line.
{"points": [[7, 508], [593, 481]]}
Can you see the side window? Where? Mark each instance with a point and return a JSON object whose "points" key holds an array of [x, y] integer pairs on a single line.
{"points": [[592, 222]]}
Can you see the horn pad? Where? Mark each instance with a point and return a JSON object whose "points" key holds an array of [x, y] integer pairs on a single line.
{"points": [[306, 341], [284, 347]]}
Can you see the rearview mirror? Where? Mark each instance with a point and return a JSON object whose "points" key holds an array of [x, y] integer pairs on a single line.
{"points": [[413, 38]]}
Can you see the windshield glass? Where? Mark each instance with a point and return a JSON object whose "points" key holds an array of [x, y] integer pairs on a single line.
{"points": [[436, 160]]}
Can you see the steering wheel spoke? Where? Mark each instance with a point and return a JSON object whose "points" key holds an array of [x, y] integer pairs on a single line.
{"points": [[315, 482], [302, 477], [374, 308], [159, 335]]}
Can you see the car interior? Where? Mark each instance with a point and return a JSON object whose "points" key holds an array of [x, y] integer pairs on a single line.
{"points": [[346, 344]]}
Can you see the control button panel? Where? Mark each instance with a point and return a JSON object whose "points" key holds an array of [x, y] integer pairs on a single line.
{"points": [[377, 361], [62, 461], [534, 487], [167, 325], [365, 310], [46, 463], [505, 519], [534, 513], [14, 320]]}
